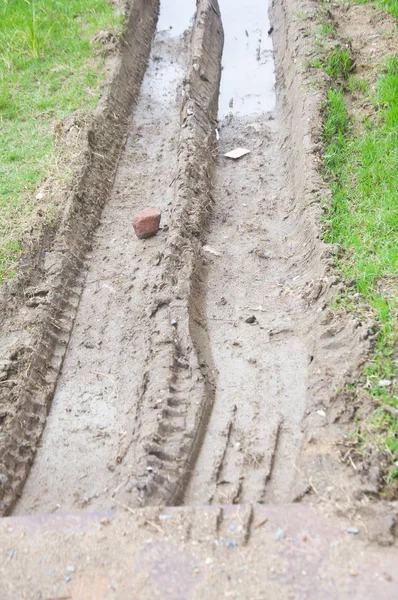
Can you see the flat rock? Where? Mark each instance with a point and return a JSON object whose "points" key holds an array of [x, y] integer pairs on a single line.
{"points": [[146, 223]]}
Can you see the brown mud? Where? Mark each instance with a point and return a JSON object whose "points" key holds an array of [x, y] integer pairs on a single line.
{"points": [[167, 394]]}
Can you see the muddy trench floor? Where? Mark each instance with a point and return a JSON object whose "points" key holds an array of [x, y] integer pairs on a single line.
{"points": [[240, 412]]}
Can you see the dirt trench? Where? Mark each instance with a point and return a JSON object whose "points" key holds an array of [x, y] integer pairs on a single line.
{"points": [[203, 363]]}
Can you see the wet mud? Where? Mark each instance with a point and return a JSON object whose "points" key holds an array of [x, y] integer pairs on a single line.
{"points": [[201, 366]]}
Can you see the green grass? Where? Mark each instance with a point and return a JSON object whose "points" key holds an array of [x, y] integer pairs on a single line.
{"points": [[363, 219], [336, 63], [390, 6], [48, 70]]}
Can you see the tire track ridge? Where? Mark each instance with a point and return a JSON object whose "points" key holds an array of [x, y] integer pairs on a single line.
{"points": [[184, 395]]}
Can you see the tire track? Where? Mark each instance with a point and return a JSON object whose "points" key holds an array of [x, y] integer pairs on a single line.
{"points": [[123, 426], [266, 284]]}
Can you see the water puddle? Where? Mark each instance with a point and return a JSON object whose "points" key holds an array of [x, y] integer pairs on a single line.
{"points": [[247, 82], [176, 16]]}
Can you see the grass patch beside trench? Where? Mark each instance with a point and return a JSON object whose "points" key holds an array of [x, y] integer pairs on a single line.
{"points": [[48, 69], [361, 165], [390, 6]]}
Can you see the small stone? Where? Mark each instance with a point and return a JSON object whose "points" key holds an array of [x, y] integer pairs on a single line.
{"points": [[70, 569], [251, 320], [353, 572], [280, 534], [146, 223], [105, 521], [353, 530]]}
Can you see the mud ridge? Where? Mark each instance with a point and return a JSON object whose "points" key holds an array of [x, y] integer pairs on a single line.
{"points": [[185, 396], [40, 311], [340, 343]]}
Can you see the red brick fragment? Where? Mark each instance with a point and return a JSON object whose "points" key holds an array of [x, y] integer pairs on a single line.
{"points": [[147, 222]]}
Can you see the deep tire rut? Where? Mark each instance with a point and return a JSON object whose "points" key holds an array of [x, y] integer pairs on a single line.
{"points": [[262, 367]]}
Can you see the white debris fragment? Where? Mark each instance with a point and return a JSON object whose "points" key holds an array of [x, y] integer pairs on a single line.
{"points": [[385, 383], [211, 250], [237, 153]]}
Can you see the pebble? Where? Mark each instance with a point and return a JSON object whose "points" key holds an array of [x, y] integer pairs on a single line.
{"points": [[280, 534], [353, 530], [146, 223], [251, 320]]}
